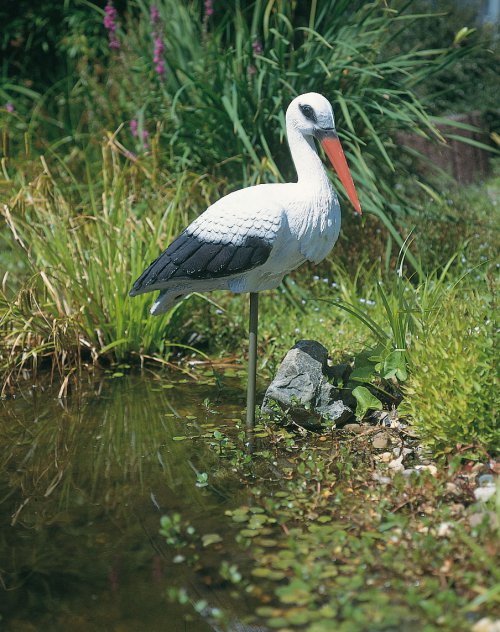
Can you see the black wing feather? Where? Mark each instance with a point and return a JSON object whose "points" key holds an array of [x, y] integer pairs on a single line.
{"points": [[189, 257], [219, 263], [182, 248]]}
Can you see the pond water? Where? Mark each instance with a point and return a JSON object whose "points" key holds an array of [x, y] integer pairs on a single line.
{"points": [[84, 481]]}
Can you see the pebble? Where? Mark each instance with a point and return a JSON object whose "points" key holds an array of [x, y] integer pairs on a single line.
{"points": [[482, 494], [432, 469], [477, 518], [444, 529], [397, 464], [385, 457], [380, 478], [380, 441], [485, 480], [451, 488], [487, 625], [356, 428], [405, 451]]}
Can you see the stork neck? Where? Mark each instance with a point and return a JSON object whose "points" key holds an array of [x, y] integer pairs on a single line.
{"points": [[305, 157]]}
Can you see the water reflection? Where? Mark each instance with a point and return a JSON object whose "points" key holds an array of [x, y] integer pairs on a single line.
{"points": [[83, 484]]}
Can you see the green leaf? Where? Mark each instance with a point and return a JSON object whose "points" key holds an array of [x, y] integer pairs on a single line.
{"points": [[268, 573], [210, 538], [363, 373], [297, 592], [365, 401], [395, 365]]}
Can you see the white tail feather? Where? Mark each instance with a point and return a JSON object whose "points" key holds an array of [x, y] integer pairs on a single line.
{"points": [[165, 301]]}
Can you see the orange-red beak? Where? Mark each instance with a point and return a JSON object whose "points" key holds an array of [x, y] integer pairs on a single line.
{"points": [[334, 151]]}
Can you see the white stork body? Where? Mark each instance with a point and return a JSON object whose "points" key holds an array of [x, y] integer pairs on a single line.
{"points": [[297, 228], [248, 240]]}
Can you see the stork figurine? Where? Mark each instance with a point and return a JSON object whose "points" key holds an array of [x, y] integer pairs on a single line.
{"points": [[248, 240]]}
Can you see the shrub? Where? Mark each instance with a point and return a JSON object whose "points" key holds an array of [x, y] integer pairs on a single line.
{"points": [[451, 397]]}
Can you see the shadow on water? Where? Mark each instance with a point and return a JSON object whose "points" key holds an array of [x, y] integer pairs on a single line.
{"points": [[83, 484]]}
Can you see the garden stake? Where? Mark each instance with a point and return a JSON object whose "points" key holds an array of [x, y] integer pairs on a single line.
{"points": [[252, 358]]}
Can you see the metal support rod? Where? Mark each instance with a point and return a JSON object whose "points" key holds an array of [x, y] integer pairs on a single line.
{"points": [[252, 358]]}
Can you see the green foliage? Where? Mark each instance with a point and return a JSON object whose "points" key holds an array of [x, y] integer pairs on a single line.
{"points": [[458, 24], [365, 401], [454, 221], [171, 528], [230, 78], [219, 88], [393, 336], [412, 324], [82, 265], [334, 537], [452, 395]]}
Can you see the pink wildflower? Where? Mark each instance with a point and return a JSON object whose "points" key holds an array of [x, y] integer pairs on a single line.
{"points": [[145, 138], [110, 15], [134, 126], [209, 8], [9, 107], [251, 70], [155, 15], [257, 47], [159, 48], [160, 69]]}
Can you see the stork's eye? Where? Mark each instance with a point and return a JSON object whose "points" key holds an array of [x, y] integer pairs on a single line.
{"points": [[308, 112]]}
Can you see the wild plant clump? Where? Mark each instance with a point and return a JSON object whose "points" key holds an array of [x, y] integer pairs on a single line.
{"points": [[452, 396]]}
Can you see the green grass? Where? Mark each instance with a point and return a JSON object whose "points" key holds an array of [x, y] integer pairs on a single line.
{"points": [[452, 394], [83, 244]]}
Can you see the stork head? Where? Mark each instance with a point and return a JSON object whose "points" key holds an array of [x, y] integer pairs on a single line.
{"points": [[312, 115]]}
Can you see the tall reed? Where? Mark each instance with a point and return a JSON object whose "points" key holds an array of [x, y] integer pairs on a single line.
{"points": [[84, 244]]}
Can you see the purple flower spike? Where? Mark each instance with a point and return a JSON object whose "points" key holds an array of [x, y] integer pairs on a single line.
{"points": [[160, 69], [159, 62], [209, 8], [145, 138], [9, 107], [110, 15], [257, 47], [154, 14], [159, 48], [134, 126]]}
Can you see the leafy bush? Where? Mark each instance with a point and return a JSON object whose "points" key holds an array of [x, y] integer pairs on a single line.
{"points": [[452, 397], [450, 90]]}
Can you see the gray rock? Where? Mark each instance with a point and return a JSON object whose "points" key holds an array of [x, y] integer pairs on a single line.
{"points": [[355, 428], [301, 385], [380, 441]]}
